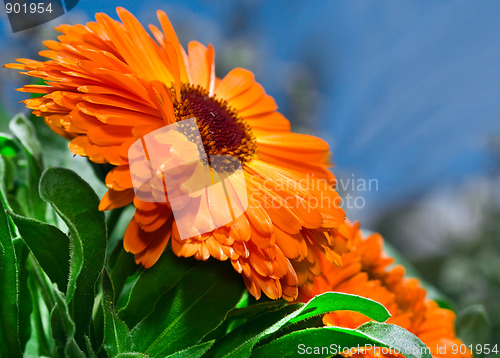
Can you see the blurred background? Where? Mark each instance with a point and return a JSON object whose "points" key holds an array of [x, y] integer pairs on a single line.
{"points": [[407, 93]]}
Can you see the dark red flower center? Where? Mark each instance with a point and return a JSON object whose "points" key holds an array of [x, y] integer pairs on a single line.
{"points": [[222, 130]]}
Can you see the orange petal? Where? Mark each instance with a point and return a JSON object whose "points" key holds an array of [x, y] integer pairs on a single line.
{"points": [[109, 135], [266, 104], [273, 122], [201, 65], [237, 81], [155, 248], [247, 98], [259, 217], [119, 178], [116, 199], [135, 240], [240, 229], [171, 36], [293, 246]]}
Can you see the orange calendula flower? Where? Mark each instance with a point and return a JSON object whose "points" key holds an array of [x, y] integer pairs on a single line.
{"points": [[367, 271], [109, 84]]}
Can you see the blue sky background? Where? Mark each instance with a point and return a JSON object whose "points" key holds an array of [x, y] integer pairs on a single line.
{"points": [[406, 92]]}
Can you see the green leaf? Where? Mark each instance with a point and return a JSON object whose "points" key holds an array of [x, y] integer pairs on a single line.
{"points": [[473, 326], [187, 313], [20, 201], [43, 282], [9, 325], [311, 322], [7, 175], [151, 285], [24, 298], [63, 328], [25, 132], [318, 342], [49, 245], [238, 316], [8, 147], [336, 301], [44, 344], [124, 266], [395, 337], [90, 350], [77, 204], [132, 355], [335, 340], [257, 309], [241, 341], [194, 351], [117, 337]]}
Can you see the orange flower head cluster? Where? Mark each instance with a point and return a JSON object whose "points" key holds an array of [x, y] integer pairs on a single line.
{"points": [[109, 83], [367, 271]]}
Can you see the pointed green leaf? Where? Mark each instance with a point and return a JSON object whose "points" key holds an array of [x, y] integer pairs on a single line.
{"points": [[117, 337], [77, 204], [188, 312], [257, 309], [394, 336], [238, 316], [241, 341], [43, 282], [124, 266], [49, 245], [194, 351], [44, 344], [63, 328], [152, 284], [90, 350], [335, 340], [25, 132], [24, 299], [337, 301], [318, 342], [9, 325]]}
